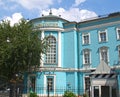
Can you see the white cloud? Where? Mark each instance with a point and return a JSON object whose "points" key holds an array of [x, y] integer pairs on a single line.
{"points": [[78, 2], [34, 4], [14, 19], [73, 14]]}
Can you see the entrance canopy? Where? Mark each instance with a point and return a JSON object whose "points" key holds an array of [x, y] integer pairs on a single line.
{"points": [[103, 71], [102, 68]]}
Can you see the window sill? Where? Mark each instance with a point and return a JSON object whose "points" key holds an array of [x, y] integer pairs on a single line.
{"points": [[103, 41], [87, 64], [86, 44], [50, 65]]}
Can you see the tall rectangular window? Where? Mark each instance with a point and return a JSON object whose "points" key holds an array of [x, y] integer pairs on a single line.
{"points": [[32, 82], [86, 38], [119, 53], [87, 85], [86, 56], [104, 54], [50, 57], [50, 83], [102, 36], [118, 33]]}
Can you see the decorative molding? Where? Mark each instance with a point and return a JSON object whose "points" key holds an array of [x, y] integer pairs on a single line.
{"points": [[57, 69], [70, 29], [59, 49], [51, 29], [99, 25]]}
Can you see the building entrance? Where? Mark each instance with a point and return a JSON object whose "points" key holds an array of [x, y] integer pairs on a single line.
{"points": [[103, 81], [96, 91], [105, 91]]}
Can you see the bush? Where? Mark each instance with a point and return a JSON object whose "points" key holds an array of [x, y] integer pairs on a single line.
{"points": [[69, 94], [33, 95], [85, 95]]}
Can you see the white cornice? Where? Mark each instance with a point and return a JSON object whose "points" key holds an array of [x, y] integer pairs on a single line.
{"points": [[99, 25], [57, 69], [70, 29], [51, 29]]}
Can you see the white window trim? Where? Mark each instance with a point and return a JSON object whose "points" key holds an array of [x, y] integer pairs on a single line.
{"points": [[84, 34], [84, 57], [103, 32], [28, 82], [45, 82], [118, 37], [107, 53], [118, 52], [84, 81], [51, 60]]}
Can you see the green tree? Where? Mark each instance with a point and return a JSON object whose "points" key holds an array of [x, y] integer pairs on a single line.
{"points": [[69, 94], [20, 50]]}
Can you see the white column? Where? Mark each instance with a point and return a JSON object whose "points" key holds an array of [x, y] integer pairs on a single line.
{"points": [[59, 49], [92, 91], [42, 55], [99, 90], [110, 91]]}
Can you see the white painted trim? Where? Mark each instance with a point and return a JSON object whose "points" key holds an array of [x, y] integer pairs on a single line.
{"points": [[42, 55], [99, 26], [118, 37], [70, 29], [28, 82], [45, 82], [84, 56], [103, 31], [51, 29], [99, 90], [85, 34], [107, 54], [45, 85], [110, 89], [59, 49]]}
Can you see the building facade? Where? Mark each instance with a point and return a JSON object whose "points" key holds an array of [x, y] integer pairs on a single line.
{"points": [[83, 57]]}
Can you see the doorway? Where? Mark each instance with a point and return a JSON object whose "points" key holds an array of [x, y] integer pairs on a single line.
{"points": [[96, 91], [105, 91]]}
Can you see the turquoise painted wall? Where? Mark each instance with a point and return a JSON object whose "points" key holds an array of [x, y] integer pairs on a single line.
{"points": [[70, 49], [72, 55], [95, 44]]}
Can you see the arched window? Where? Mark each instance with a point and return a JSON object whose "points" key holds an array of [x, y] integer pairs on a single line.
{"points": [[51, 52]]}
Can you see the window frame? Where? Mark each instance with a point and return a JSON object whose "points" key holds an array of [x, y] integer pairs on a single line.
{"points": [[50, 82], [118, 52], [31, 83], [46, 76], [118, 33], [105, 39], [104, 50], [88, 59], [51, 54], [85, 41]]}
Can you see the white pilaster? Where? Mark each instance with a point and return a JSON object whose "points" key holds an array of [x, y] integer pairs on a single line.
{"points": [[110, 91], [99, 90], [59, 49], [42, 56]]}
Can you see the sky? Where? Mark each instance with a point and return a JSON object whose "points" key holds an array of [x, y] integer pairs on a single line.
{"points": [[72, 10]]}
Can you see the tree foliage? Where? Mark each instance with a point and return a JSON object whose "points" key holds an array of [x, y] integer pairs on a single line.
{"points": [[69, 94], [20, 48]]}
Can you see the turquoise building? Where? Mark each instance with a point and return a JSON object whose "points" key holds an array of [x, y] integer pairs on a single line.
{"points": [[83, 57]]}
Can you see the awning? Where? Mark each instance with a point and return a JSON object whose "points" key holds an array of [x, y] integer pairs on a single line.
{"points": [[102, 68]]}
